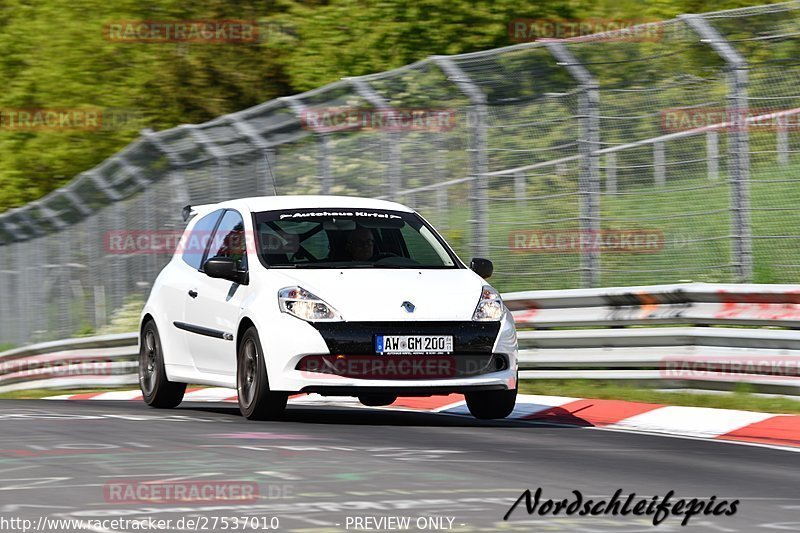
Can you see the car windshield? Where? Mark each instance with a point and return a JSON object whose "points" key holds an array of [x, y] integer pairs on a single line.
{"points": [[349, 238]]}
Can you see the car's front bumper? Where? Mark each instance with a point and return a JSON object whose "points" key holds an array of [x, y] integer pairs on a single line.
{"points": [[292, 340]]}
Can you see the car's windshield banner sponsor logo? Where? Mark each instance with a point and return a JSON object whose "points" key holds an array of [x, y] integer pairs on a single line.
{"points": [[318, 214]]}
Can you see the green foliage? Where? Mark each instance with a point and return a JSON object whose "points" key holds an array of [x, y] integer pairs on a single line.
{"points": [[126, 318], [55, 55]]}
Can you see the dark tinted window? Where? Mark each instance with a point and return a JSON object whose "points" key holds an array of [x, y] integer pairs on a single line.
{"points": [[229, 239], [349, 238], [197, 241]]}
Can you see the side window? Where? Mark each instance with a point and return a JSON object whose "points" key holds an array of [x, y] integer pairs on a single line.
{"points": [[229, 239], [197, 241]]}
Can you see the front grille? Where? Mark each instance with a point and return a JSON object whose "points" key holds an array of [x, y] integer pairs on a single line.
{"points": [[358, 338]]}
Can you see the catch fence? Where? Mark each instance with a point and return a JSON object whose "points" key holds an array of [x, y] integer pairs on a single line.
{"points": [[590, 162]]}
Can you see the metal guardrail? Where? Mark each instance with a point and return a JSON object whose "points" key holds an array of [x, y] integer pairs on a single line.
{"points": [[102, 361], [660, 335], [663, 335]]}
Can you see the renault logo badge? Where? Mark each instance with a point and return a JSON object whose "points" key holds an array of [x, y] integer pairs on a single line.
{"points": [[408, 306]]}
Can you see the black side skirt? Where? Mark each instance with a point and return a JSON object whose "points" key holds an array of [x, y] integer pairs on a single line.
{"points": [[204, 331]]}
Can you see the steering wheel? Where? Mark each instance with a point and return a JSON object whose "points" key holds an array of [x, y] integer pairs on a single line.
{"points": [[389, 258]]}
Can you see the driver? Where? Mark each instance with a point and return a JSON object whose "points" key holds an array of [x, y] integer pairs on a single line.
{"points": [[360, 244]]}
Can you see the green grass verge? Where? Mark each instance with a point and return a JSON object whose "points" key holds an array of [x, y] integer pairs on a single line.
{"points": [[42, 393], [609, 390], [690, 211]]}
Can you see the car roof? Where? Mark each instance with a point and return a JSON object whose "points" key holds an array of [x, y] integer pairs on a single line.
{"points": [[275, 203]]}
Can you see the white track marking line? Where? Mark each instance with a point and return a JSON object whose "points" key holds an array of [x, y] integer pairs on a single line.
{"points": [[317, 399], [118, 395], [694, 423], [691, 421]]}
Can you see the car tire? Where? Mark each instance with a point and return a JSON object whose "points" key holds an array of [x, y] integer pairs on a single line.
{"points": [[377, 400], [489, 405], [157, 390], [256, 400]]}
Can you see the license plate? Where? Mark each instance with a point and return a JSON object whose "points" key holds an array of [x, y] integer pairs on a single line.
{"points": [[413, 344]]}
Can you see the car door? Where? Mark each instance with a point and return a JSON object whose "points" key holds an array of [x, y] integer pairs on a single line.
{"points": [[182, 280], [212, 312]]}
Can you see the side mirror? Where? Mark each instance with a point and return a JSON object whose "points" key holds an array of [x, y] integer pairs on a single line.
{"points": [[223, 268], [482, 267]]}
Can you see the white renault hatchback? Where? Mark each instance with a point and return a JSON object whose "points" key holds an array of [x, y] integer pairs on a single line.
{"points": [[331, 295]]}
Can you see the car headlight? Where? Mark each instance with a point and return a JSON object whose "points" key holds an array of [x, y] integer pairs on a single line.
{"points": [[490, 306], [299, 302]]}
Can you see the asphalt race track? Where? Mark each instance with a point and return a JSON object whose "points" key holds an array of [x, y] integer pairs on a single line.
{"points": [[323, 468]]}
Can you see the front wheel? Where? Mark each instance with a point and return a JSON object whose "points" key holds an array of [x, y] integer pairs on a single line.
{"points": [[157, 390], [488, 405], [256, 401]]}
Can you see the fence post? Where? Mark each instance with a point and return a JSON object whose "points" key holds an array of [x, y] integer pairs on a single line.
{"points": [[394, 175], [659, 163], [712, 155], [588, 143], [323, 151], [519, 187], [611, 173], [738, 146], [222, 166], [443, 214], [782, 141], [479, 160], [324, 163]]}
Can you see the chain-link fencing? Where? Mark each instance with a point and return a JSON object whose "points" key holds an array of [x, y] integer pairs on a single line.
{"points": [[653, 155]]}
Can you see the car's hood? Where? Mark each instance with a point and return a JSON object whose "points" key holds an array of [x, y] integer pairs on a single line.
{"points": [[378, 294]]}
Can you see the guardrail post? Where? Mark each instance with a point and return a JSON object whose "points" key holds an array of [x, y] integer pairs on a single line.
{"points": [[588, 143], [738, 146], [479, 160]]}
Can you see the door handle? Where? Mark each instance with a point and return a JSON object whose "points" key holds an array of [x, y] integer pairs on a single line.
{"points": [[193, 293]]}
